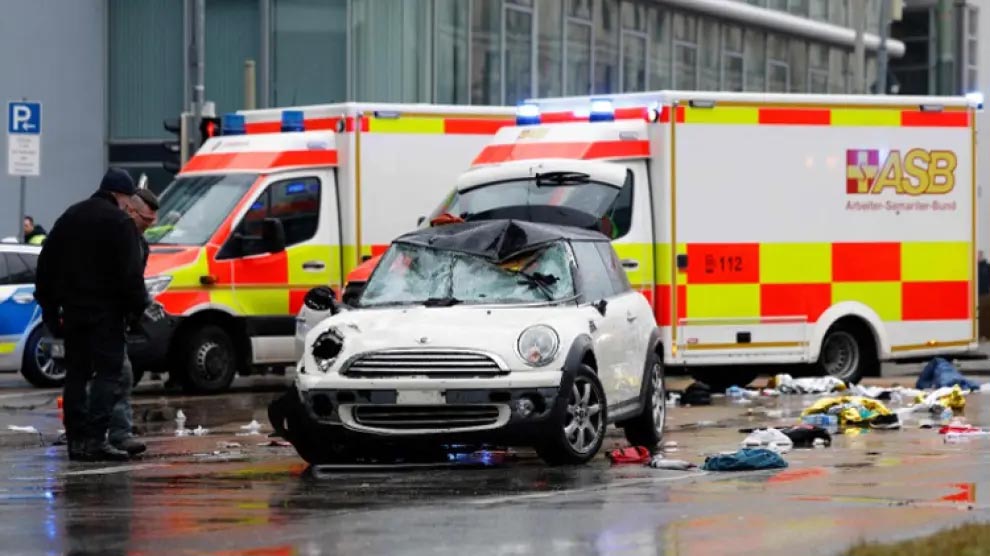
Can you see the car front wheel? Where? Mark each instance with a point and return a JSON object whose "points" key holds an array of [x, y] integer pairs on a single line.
{"points": [[39, 367], [578, 430], [646, 429]]}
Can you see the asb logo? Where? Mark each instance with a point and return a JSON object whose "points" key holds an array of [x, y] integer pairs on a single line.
{"points": [[917, 172]]}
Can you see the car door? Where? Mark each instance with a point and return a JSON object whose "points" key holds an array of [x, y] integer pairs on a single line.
{"points": [[636, 322], [595, 286], [269, 287], [17, 307]]}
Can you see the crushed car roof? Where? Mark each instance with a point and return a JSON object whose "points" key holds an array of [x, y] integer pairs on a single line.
{"points": [[496, 240]]}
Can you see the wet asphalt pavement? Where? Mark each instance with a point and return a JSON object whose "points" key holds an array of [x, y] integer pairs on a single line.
{"points": [[202, 495]]}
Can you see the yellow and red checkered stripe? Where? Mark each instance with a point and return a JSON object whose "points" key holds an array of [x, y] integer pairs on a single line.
{"points": [[900, 281], [424, 124], [867, 116]]}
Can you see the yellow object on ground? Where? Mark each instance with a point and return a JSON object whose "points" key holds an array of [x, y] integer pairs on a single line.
{"points": [[849, 414]]}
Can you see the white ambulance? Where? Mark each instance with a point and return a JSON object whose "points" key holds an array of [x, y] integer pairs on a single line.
{"points": [[282, 201], [765, 229]]}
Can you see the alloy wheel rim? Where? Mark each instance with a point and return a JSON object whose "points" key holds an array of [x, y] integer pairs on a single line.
{"points": [[584, 426]]}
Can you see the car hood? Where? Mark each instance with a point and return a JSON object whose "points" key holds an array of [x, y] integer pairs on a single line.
{"points": [[485, 328]]}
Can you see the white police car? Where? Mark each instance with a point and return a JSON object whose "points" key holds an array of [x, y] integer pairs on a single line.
{"points": [[21, 332]]}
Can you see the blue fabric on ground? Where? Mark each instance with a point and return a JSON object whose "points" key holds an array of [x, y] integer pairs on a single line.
{"points": [[746, 459], [939, 373]]}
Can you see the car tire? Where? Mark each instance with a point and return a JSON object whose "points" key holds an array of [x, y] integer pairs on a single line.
{"points": [[290, 421], [583, 410], [37, 365], [847, 354], [720, 379], [646, 429], [209, 361]]}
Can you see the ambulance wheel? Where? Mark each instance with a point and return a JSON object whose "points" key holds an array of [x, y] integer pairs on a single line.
{"points": [[210, 361], [848, 353], [38, 367]]}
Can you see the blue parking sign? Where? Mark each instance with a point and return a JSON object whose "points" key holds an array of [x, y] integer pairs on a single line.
{"points": [[24, 118]]}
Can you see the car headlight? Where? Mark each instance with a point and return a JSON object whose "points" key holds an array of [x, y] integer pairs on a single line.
{"points": [[537, 345], [326, 348], [157, 284]]}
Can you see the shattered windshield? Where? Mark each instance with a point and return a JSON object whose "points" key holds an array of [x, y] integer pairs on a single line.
{"points": [[192, 208], [413, 275]]}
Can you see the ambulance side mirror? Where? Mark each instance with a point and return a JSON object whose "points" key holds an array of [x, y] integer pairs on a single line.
{"points": [[273, 235]]}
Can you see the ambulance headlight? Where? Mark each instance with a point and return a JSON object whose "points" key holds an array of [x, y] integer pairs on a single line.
{"points": [[537, 345], [326, 348], [157, 284]]}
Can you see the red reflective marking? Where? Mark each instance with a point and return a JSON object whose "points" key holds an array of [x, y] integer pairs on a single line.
{"points": [[662, 306], [935, 301], [626, 113], [266, 269], [378, 249], [795, 116], [263, 127], [679, 115], [159, 261], [178, 302], [475, 126], [790, 300], [260, 160], [599, 149], [723, 263], [866, 262], [917, 118]]}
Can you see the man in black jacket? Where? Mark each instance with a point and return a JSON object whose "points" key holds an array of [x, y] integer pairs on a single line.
{"points": [[89, 286]]}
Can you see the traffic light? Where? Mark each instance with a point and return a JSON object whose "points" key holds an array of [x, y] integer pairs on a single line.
{"points": [[208, 127], [172, 159]]}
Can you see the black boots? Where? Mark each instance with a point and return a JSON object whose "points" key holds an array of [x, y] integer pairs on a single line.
{"points": [[130, 445], [95, 450]]}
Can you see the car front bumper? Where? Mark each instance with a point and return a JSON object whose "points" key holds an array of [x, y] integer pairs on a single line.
{"points": [[147, 348], [504, 411]]}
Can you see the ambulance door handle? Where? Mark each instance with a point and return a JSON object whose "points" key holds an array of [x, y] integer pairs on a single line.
{"points": [[314, 265], [630, 264]]}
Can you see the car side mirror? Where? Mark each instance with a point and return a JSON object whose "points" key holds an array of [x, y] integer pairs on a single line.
{"points": [[322, 298], [420, 220], [600, 306], [273, 235]]}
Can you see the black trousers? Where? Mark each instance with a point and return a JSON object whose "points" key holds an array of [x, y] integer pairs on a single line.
{"points": [[94, 357]]}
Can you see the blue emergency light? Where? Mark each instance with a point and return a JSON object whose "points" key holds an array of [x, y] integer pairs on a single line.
{"points": [[527, 114], [232, 124], [601, 110], [293, 120]]}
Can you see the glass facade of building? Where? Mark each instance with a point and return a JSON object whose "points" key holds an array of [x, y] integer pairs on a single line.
{"points": [[450, 51]]}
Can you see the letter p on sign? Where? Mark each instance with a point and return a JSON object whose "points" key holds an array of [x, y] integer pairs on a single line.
{"points": [[24, 117]]}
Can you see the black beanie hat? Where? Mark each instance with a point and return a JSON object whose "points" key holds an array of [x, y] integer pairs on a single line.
{"points": [[118, 181]]}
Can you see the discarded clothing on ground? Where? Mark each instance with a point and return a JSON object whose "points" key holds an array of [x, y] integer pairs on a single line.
{"points": [[630, 454], [697, 393], [746, 459], [787, 384], [660, 462], [805, 436], [895, 395], [771, 439], [950, 397], [939, 373], [851, 410]]}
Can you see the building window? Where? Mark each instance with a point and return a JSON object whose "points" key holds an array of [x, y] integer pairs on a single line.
{"points": [[486, 63], [838, 71], [228, 47], [818, 9], [391, 57], [452, 51], [578, 55], [550, 60], [838, 12], [301, 28], [755, 58], [710, 50], [518, 53], [817, 68], [779, 5], [798, 7], [798, 50], [635, 58], [660, 70], [732, 58], [778, 69], [606, 36], [972, 48], [685, 52]]}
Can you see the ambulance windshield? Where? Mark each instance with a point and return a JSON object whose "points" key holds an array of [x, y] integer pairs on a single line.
{"points": [[561, 198], [192, 208]]}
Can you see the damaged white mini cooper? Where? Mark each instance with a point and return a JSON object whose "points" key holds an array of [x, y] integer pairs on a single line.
{"points": [[498, 332]]}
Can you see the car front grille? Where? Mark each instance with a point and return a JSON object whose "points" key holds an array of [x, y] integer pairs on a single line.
{"points": [[427, 417], [431, 363]]}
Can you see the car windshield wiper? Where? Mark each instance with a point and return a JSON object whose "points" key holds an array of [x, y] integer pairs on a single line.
{"points": [[561, 178], [541, 281], [441, 302]]}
